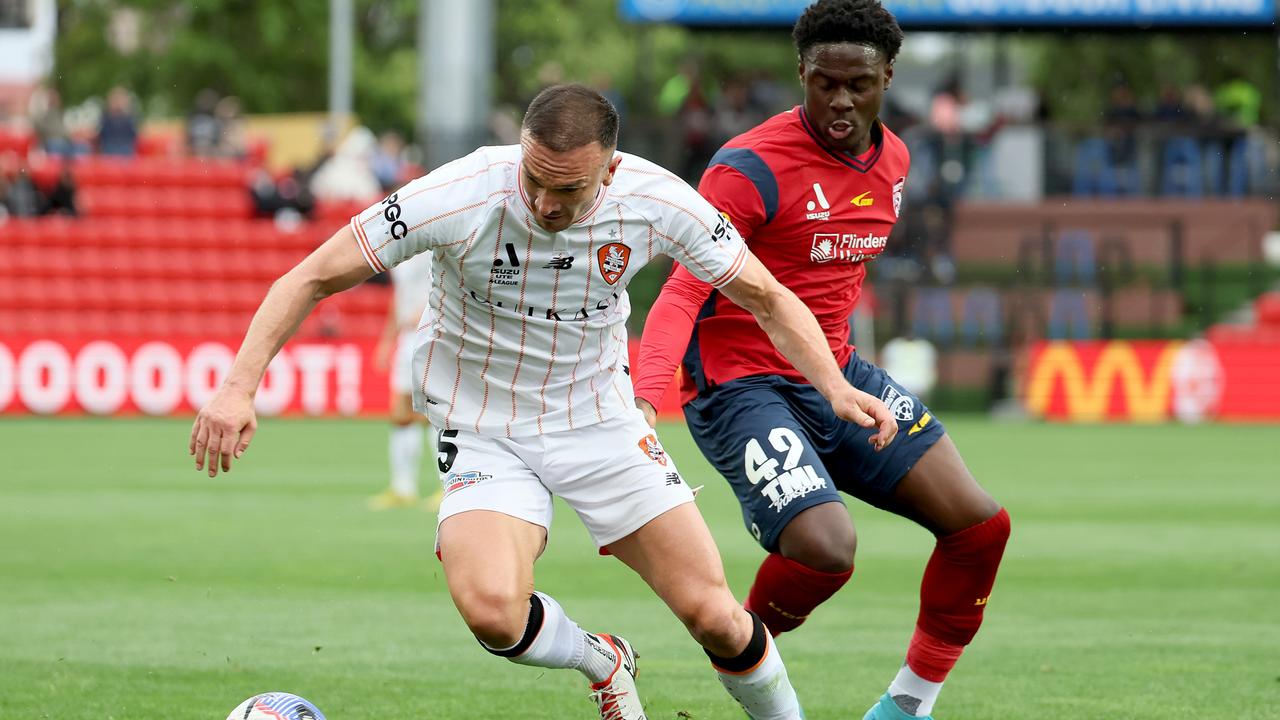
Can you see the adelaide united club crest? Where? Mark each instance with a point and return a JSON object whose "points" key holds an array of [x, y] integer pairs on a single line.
{"points": [[897, 195], [613, 259]]}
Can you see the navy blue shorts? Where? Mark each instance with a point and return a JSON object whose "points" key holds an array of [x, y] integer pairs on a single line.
{"points": [[783, 449]]}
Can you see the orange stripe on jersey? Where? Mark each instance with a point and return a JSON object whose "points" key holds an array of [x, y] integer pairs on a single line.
{"points": [[668, 203], [439, 321], [524, 326], [696, 261], [586, 300], [363, 242], [419, 191], [733, 270], [441, 216], [493, 318], [656, 173], [462, 340]]}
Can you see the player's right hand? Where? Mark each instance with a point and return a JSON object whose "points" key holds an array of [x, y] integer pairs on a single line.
{"points": [[650, 413], [867, 411], [223, 429]]}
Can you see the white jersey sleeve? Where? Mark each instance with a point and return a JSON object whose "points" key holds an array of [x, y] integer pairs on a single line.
{"points": [[434, 210], [697, 236]]}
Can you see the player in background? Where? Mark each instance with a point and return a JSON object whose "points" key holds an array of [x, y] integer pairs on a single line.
{"points": [[815, 192], [411, 286], [523, 363]]}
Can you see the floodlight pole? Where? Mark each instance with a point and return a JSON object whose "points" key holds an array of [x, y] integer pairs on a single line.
{"points": [[455, 70], [341, 46]]}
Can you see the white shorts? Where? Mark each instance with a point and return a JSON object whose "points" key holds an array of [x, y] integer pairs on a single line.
{"points": [[402, 364], [614, 474]]}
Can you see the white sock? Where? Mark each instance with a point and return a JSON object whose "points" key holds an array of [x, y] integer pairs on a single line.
{"points": [[764, 691], [912, 688], [405, 451], [560, 643]]}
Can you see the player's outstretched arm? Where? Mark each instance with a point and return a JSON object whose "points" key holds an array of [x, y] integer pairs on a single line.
{"points": [[226, 424], [796, 333], [666, 335]]}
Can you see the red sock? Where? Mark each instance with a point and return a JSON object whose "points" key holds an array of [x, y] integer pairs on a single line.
{"points": [[785, 592], [957, 582]]}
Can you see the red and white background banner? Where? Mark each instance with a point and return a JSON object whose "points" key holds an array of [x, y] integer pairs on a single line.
{"points": [[175, 376], [166, 376], [1153, 381]]}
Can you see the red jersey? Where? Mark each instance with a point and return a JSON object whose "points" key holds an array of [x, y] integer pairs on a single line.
{"points": [[814, 216]]}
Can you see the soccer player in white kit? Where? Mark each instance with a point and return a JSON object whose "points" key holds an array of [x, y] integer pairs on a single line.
{"points": [[522, 364], [411, 286]]}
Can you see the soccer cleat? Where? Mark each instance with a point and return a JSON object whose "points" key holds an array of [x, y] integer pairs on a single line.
{"points": [[388, 499], [887, 709], [616, 695]]}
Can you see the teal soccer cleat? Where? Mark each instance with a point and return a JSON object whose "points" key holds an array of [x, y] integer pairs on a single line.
{"points": [[887, 709]]}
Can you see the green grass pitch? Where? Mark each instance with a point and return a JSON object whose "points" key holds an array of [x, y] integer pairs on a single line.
{"points": [[1142, 581]]}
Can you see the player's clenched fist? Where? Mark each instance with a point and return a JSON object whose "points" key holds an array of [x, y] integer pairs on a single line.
{"points": [[867, 411], [223, 429]]}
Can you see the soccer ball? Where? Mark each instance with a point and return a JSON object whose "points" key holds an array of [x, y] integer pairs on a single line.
{"points": [[276, 706]]}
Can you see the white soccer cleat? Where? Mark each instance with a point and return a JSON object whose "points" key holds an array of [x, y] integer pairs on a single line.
{"points": [[616, 695]]}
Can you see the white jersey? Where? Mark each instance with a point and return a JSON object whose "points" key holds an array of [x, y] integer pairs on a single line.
{"points": [[525, 330], [411, 285]]}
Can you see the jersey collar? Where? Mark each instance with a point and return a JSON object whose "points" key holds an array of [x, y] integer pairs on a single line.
{"points": [[862, 164]]}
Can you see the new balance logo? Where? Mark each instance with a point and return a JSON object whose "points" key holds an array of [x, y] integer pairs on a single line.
{"points": [[812, 207], [559, 262]]}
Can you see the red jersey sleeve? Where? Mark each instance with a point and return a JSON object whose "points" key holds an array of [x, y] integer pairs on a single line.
{"points": [[666, 333], [735, 195]]}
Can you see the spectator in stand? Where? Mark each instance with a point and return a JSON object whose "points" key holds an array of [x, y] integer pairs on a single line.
{"points": [[203, 129], [684, 98], [118, 131], [348, 175], [1199, 104], [1169, 105], [1121, 118], [62, 196], [1240, 102], [734, 114], [21, 196], [51, 129], [232, 140], [388, 161]]}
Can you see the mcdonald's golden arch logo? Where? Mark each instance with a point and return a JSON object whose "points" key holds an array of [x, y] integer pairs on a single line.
{"points": [[1087, 392]]}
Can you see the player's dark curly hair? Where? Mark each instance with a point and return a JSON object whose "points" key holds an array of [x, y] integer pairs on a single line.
{"points": [[864, 22]]}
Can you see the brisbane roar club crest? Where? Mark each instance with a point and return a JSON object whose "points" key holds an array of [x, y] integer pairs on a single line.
{"points": [[650, 446], [613, 259]]}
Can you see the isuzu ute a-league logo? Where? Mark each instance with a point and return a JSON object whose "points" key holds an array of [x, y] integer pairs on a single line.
{"points": [[613, 259], [812, 207]]}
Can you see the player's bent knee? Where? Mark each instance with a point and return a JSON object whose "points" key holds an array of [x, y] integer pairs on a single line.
{"points": [[821, 538], [497, 618], [713, 624]]}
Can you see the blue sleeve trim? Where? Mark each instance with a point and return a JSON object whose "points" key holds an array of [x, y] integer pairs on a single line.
{"points": [[754, 169]]}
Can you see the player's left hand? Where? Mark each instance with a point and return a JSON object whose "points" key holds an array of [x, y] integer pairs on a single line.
{"points": [[223, 429], [867, 411]]}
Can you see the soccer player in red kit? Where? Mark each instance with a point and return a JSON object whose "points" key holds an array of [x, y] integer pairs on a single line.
{"points": [[816, 191]]}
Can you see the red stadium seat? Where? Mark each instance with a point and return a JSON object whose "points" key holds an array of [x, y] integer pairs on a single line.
{"points": [[1267, 307]]}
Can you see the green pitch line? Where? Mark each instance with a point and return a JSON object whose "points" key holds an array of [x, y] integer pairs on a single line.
{"points": [[1141, 581]]}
